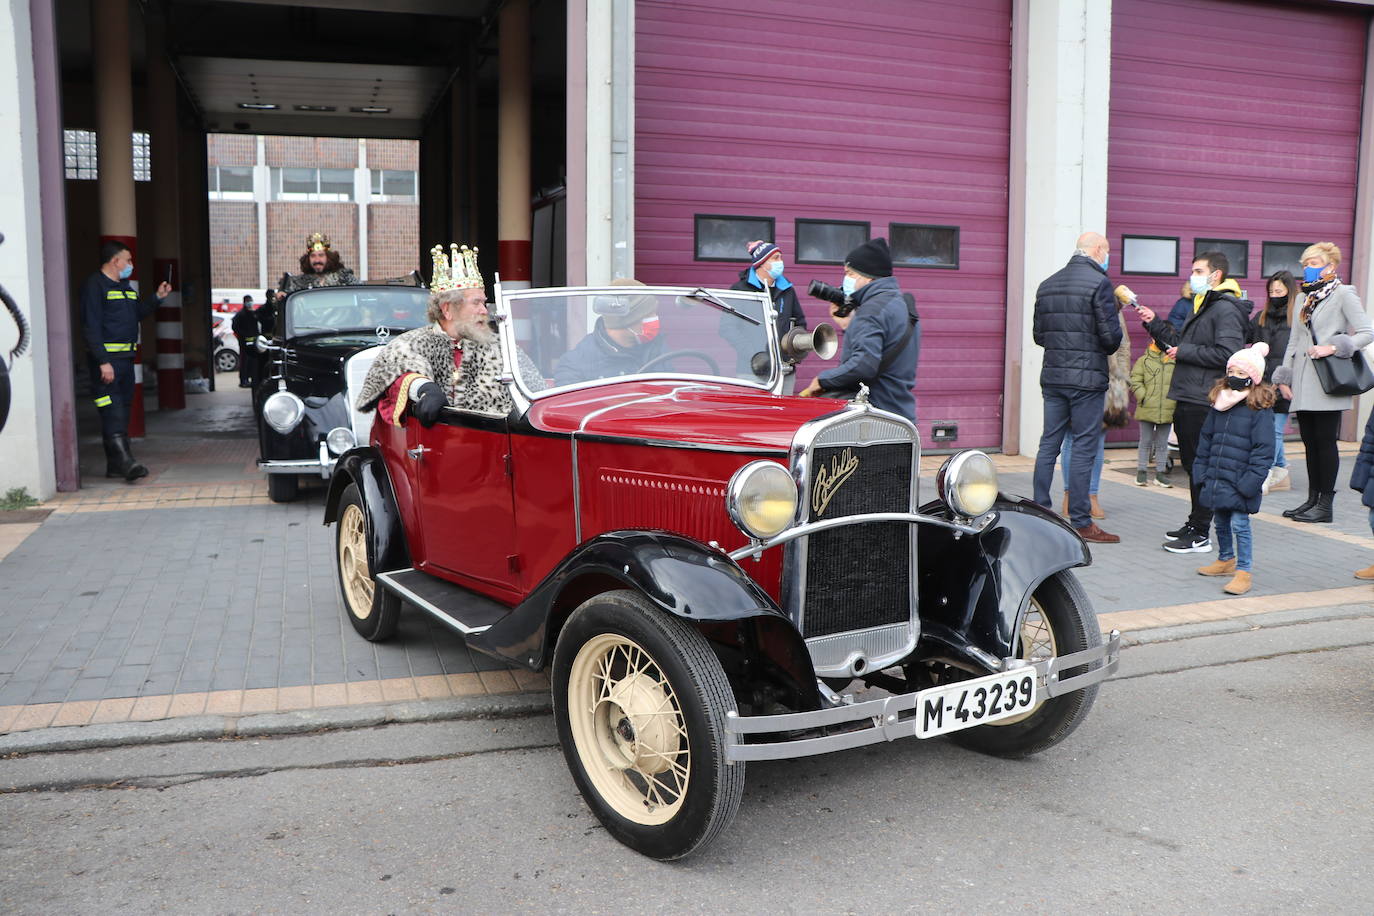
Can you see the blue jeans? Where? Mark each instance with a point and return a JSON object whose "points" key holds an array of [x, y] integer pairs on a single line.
{"points": [[1228, 522], [1076, 413], [1280, 422], [1066, 456]]}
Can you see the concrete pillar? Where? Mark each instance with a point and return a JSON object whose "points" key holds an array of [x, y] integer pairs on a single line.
{"points": [[26, 445], [600, 138], [513, 146], [166, 247], [1061, 89]]}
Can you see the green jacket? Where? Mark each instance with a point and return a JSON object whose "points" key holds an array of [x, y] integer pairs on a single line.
{"points": [[1150, 378]]}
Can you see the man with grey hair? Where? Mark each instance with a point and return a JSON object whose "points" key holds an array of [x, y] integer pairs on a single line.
{"points": [[455, 361], [1076, 322]]}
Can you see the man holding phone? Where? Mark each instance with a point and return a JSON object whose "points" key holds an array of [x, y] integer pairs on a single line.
{"points": [[110, 313]]}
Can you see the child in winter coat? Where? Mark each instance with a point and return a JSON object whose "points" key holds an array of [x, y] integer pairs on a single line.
{"points": [[1233, 460], [1150, 378], [1359, 481]]}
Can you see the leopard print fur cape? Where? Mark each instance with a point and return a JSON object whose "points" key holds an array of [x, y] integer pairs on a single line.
{"points": [[341, 277], [475, 385]]}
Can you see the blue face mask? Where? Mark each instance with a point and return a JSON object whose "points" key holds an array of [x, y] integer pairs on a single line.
{"points": [[1312, 274], [1105, 261], [848, 285], [1197, 284], [775, 269], [126, 271]]}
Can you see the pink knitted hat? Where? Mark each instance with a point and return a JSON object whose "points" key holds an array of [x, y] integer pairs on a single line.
{"points": [[1251, 359]]}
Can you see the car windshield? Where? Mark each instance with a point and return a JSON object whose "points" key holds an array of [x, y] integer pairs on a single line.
{"points": [[584, 336], [355, 308]]}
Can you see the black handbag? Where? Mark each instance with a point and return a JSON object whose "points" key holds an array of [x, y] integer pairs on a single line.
{"points": [[1342, 376]]}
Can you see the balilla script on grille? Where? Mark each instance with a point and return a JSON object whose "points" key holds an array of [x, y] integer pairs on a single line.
{"points": [[830, 479]]}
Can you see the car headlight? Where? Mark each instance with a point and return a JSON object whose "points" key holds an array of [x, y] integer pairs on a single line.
{"points": [[283, 411], [968, 483], [761, 499], [340, 440]]}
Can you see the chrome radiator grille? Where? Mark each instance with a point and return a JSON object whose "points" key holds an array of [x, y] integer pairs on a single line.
{"points": [[355, 370], [851, 589]]}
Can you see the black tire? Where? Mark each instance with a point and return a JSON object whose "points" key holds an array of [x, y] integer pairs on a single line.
{"points": [[282, 488], [610, 718], [371, 609], [1064, 608], [226, 360]]}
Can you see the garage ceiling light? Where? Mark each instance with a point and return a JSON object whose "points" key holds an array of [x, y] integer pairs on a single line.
{"points": [[316, 108], [370, 109], [259, 106]]}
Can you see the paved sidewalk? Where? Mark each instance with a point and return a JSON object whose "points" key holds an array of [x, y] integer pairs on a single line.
{"points": [[189, 597]]}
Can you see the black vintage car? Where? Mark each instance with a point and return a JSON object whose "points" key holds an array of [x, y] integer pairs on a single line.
{"points": [[325, 339]]}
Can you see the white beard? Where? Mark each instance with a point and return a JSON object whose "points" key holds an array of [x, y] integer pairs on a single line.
{"points": [[476, 330]]}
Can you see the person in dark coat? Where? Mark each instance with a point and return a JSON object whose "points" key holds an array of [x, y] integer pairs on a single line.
{"points": [[1234, 456], [246, 329], [1076, 322], [1214, 331], [624, 339], [1178, 315], [882, 337], [765, 273], [1359, 482], [1271, 324]]}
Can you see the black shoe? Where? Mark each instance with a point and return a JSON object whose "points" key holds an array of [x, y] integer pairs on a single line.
{"points": [[130, 469], [1319, 512], [1190, 542], [1296, 510], [1179, 532]]}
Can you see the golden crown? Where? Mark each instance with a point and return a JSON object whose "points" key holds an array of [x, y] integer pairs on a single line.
{"points": [[458, 271], [318, 241]]}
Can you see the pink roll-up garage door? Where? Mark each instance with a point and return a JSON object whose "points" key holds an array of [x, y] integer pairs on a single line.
{"points": [[1231, 120], [880, 112]]}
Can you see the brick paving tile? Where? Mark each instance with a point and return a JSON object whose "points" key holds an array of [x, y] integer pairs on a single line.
{"points": [[112, 710], [399, 688], [498, 681], [78, 712], [39, 716], [465, 685], [223, 702], [7, 716], [148, 708], [289, 698], [327, 695], [364, 692], [259, 700], [186, 704], [432, 686]]}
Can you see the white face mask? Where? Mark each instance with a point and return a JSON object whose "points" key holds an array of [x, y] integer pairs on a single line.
{"points": [[775, 269], [1198, 284], [849, 285]]}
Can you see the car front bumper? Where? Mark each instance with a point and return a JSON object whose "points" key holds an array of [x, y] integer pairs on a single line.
{"points": [[323, 465], [889, 718]]}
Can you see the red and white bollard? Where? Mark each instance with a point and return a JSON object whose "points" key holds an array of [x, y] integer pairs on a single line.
{"points": [[136, 429], [171, 362]]}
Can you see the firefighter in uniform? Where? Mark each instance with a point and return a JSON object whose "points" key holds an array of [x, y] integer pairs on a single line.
{"points": [[245, 325], [110, 313]]}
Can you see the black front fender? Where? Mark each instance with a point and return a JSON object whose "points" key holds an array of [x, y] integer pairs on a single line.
{"points": [[681, 577], [386, 543], [974, 589]]}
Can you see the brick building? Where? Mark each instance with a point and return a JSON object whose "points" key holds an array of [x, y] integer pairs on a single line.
{"points": [[267, 194]]}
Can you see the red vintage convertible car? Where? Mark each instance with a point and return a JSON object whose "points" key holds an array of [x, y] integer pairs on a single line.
{"points": [[713, 572]]}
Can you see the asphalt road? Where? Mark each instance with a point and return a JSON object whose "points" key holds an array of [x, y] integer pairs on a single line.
{"points": [[1228, 773]]}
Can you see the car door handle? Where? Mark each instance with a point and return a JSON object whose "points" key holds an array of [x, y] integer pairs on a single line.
{"points": [[417, 452]]}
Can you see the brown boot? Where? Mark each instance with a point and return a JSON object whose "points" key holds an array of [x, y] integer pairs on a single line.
{"points": [[1218, 568], [1366, 573], [1096, 507], [1096, 535], [1239, 585]]}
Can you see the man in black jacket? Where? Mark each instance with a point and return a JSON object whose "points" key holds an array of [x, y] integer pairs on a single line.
{"points": [[1075, 321], [1214, 331], [245, 326]]}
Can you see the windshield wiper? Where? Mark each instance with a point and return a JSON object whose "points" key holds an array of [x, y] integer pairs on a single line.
{"points": [[702, 295], [311, 329]]}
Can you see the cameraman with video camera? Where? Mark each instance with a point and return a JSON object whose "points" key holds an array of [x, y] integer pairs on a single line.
{"points": [[882, 338]]}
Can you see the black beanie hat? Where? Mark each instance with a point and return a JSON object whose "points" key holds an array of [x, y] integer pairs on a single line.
{"points": [[872, 259]]}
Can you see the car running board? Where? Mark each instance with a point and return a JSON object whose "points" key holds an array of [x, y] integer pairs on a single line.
{"points": [[465, 611]]}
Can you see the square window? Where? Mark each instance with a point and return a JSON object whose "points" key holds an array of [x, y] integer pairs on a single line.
{"points": [[1276, 256], [915, 245], [1237, 253], [337, 182], [398, 183], [726, 238], [828, 241], [1150, 254], [298, 181]]}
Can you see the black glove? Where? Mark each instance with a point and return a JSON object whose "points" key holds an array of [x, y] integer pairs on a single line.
{"points": [[426, 402]]}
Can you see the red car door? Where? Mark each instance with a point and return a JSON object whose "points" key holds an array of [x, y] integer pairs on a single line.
{"points": [[463, 484]]}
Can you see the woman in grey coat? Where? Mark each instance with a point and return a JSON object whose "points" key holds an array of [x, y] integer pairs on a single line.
{"points": [[1331, 322]]}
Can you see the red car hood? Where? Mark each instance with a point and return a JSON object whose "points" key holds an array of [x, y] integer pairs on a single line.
{"points": [[713, 415]]}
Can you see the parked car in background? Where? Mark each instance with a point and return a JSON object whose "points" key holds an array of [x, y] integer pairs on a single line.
{"points": [[322, 344], [226, 344], [710, 570]]}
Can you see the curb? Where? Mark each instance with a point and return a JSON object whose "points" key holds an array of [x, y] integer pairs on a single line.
{"points": [[201, 728]]}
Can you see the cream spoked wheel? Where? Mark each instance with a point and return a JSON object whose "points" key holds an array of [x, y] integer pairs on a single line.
{"points": [[629, 730], [640, 699], [371, 609], [1059, 621], [355, 577]]}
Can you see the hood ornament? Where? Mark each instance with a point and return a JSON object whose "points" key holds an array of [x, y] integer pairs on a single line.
{"points": [[861, 398], [382, 332]]}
